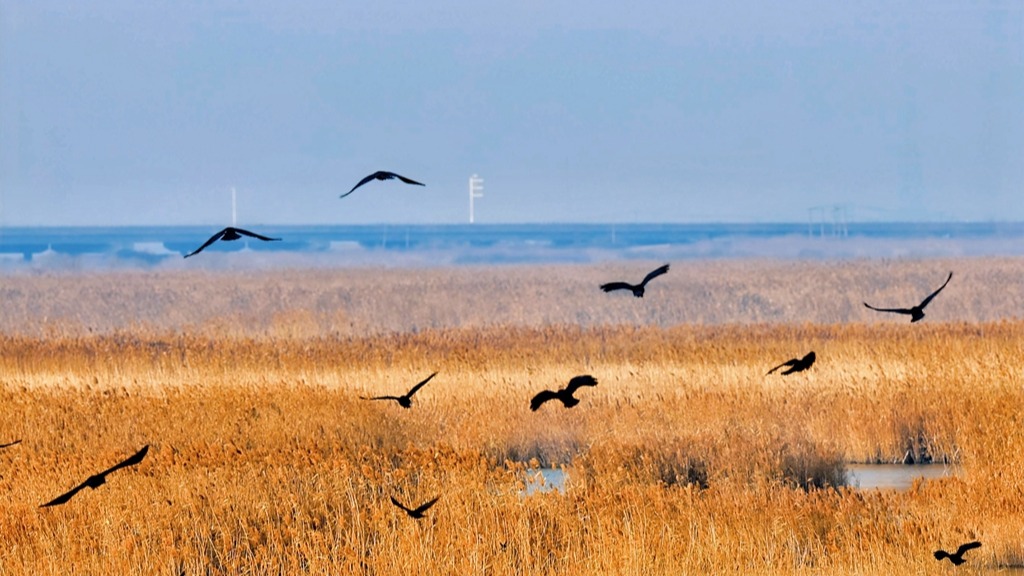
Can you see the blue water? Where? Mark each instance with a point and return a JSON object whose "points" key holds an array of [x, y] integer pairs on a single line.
{"points": [[497, 242]]}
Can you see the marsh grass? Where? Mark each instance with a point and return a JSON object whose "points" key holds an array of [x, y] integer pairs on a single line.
{"points": [[375, 301], [685, 459]]}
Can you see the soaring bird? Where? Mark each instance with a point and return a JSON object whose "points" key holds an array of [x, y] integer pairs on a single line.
{"points": [[228, 234], [565, 394], [97, 480], [957, 558], [9, 444], [917, 312], [638, 289], [406, 400], [796, 364], [415, 513], [381, 175]]}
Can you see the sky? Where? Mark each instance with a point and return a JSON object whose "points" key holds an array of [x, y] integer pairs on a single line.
{"points": [[129, 113]]}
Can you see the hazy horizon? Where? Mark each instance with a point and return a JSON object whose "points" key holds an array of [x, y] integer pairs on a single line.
{"points": [[120, 114]]}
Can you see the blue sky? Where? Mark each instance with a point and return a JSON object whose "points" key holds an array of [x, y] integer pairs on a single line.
{"points": [[123, 113]]}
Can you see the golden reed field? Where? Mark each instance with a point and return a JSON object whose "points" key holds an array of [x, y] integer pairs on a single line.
{"points": [[685, 458]]}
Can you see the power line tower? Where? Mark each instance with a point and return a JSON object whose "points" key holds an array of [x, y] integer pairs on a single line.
{"points": [[819, 216], [476, 190]]}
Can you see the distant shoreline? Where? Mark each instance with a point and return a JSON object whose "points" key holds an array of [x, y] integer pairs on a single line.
{"points": [[463, 244]]}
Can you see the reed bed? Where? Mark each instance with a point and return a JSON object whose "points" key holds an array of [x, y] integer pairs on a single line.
{"points": [[376, 301], [685, 459]]}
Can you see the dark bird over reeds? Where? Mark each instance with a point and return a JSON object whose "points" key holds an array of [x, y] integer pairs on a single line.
{"points": [[228, 234], [404, 401], [638, 289], [9, 444], [957, 558], [381, 175], [97, 480], [917, 312], [796, 364], [417, 512], [565, 394]]}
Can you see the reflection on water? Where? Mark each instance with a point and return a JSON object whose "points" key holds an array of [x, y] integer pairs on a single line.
{"points": [[863, 476], [541, 480], [893, 476]]}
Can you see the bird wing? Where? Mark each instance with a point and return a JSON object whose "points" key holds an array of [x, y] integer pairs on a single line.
{"points": [[406, 180], [896, 310], [361, 182], [130, 461], [969, 546], [64, 497], [381, 398], [423, 508], [789, 362], [576, 382], [934, 294], [541, 398], [420, 385], [654, 274], [255, 235], [940, 554], [212, 239], [9, 444], [616, 286], [399, 504]]}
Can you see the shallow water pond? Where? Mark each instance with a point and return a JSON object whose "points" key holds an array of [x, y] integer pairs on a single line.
{"points": [[542, 480], [893, 476]]}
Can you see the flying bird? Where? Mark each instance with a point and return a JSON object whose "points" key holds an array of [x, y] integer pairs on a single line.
{"points": [[565, 394], [796, 364], [9, 444], [97, 480], [957, 558], [406, 400], [638, 289], [415, 513], [381, 175], [917, 312], [228, 234]]}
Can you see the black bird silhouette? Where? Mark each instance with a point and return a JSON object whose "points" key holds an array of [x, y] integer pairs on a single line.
{"points": [[796, 364], [638, 289], [9, 444], [228, 234], [917, 312], [957, 558], [406, 400], [565, 394], [97, 480], [381, 175], [415, 513]]}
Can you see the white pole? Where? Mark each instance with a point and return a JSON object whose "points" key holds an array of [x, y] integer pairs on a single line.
{"points": [[476, 190]]}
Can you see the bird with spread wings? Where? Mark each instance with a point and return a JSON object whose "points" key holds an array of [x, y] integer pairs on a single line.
{"points": [[405, 401], [915, 312], [957, 558], [637, 289], [228, 234], [565, 395], [796, 364], [415, 512], [382, 175], [97, 480]]}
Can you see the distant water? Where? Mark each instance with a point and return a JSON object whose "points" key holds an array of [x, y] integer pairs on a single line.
{"points": [[482, 243]]}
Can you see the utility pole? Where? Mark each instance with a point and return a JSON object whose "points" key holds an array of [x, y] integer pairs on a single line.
{"points": [[476, 190]]}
